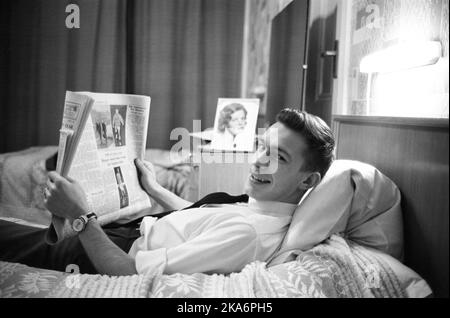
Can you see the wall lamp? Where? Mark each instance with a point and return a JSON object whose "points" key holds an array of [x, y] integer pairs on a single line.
{"points": [[402, 56]]}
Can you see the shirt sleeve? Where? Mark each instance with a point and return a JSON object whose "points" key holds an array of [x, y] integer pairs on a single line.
{"points": [[224, 248]]}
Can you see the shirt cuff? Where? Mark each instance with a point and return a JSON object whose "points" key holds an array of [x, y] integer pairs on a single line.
{"points": [[151, 262]]}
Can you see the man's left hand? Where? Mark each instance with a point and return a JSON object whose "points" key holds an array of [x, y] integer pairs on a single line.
{"points": [[64, 197]]}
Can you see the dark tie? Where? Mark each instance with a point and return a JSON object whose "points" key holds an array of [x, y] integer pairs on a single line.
{"points": [[212, 198], [218, 198]]}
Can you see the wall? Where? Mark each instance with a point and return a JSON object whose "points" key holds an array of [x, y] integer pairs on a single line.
{"points": [[184, 54], [419, 92]]}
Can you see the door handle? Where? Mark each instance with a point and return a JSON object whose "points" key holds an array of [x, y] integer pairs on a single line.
{"points": [[329, 54], [333, 54]]}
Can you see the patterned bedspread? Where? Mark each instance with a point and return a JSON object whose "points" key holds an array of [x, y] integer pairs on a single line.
{"points": [[335, 268]]}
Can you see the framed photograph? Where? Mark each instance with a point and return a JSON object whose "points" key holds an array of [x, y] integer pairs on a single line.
{"points": [[235, 124]]}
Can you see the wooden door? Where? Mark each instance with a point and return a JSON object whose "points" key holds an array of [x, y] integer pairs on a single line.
{"points": [[287, 57], [322, 58]]}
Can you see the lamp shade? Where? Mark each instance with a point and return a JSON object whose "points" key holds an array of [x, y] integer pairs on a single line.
{"points": [[402, 56]]}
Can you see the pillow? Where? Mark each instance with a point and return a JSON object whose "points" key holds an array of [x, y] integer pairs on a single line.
{"points": [[22, 174], [413, 285], [355, 200]]}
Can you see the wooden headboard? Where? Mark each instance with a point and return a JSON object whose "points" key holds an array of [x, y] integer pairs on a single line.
{"points": [[413, 153]]}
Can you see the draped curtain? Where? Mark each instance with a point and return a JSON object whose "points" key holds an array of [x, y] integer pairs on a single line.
{"points": [[183, 53]]}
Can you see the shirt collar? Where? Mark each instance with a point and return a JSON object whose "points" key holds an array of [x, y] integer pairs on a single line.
{"points": [[273, 208]]}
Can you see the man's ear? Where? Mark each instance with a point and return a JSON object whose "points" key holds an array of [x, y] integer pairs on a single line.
{"points": [[310, 181]]}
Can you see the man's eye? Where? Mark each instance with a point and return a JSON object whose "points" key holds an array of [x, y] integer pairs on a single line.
{"points": [[281, 158]]}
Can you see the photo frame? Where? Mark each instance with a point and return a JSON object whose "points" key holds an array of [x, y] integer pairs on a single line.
{"points": [[235, 124]]}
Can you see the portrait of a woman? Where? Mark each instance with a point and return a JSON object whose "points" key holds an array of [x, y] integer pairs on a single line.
{"points": [[232, 131]]}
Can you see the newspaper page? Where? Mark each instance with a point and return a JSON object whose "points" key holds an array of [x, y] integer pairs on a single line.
{"points": [[76, 107], [114, 135]]}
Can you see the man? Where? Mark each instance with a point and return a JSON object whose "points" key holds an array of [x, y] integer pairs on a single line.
{"points": [[117, 124], [123, 195], [212, 239], [99, 131], [105, 136]]}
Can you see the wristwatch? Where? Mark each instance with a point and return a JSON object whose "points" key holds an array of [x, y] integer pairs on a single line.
{"points": [[79, 224]]}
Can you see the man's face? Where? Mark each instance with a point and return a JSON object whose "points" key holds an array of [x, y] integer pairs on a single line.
{"points": [[237, 122], [286, 182]]}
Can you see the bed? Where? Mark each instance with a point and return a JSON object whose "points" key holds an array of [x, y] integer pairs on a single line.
{"points": [[332, 269], [414, 153], [337, 267]]}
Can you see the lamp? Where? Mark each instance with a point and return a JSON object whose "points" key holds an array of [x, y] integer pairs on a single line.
{"points": [[402, 56]]}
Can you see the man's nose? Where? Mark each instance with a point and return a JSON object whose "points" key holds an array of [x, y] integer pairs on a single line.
{"points": [[261, 159]]}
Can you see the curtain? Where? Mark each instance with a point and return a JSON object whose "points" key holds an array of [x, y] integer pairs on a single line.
{"points": [[183, 53]]}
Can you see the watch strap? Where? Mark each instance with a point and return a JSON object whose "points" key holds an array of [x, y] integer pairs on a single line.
{"points": [[85, 219], [90, 216]]}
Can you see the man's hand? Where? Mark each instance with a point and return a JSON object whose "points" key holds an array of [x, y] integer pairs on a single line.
{"points": [[64, 197], [168, 200], [147, 177]]}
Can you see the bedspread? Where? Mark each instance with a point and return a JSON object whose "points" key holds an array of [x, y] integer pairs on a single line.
{"points": [[335, 268]]}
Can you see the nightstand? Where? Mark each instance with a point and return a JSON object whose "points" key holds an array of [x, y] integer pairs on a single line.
{"points": [[221, 171]]}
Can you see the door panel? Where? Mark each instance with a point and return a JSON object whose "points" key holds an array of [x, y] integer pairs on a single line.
{"points": [[287, 56], [321, 61]]}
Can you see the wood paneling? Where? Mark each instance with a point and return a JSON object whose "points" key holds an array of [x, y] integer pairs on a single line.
{"points": [[414, 154]]}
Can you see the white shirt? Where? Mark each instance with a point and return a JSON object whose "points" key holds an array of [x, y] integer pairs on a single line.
{"points": [[219, 239]]}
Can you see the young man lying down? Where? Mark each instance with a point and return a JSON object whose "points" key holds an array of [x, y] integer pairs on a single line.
{"points": [[218, 234]]}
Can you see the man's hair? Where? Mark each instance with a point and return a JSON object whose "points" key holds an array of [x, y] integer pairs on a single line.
{"points": [[226, 112], [318, 137]]}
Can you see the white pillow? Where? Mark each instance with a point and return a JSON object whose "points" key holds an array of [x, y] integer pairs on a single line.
{"points": [[355, 200], [411, 282]]}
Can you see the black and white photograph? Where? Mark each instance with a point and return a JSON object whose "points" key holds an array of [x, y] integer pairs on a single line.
{"points": [[118, 119], [102, 123], [261, 149], [235, 124], [121, 187]]}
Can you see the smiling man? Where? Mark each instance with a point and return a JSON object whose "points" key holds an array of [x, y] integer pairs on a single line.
{"points": [[218, 234]]}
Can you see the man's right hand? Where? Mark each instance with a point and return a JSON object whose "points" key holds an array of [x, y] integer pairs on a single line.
{"points": [[147, 177], [167, 199]]}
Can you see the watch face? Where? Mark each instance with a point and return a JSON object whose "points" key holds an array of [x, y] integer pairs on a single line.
{"points": [[78, 225]]}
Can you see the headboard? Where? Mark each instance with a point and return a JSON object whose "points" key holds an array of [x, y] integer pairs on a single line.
{"points": [[413, 152]]}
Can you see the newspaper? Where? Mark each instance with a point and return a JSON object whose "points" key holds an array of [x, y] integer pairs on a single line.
{"points": [[100, 137]]}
